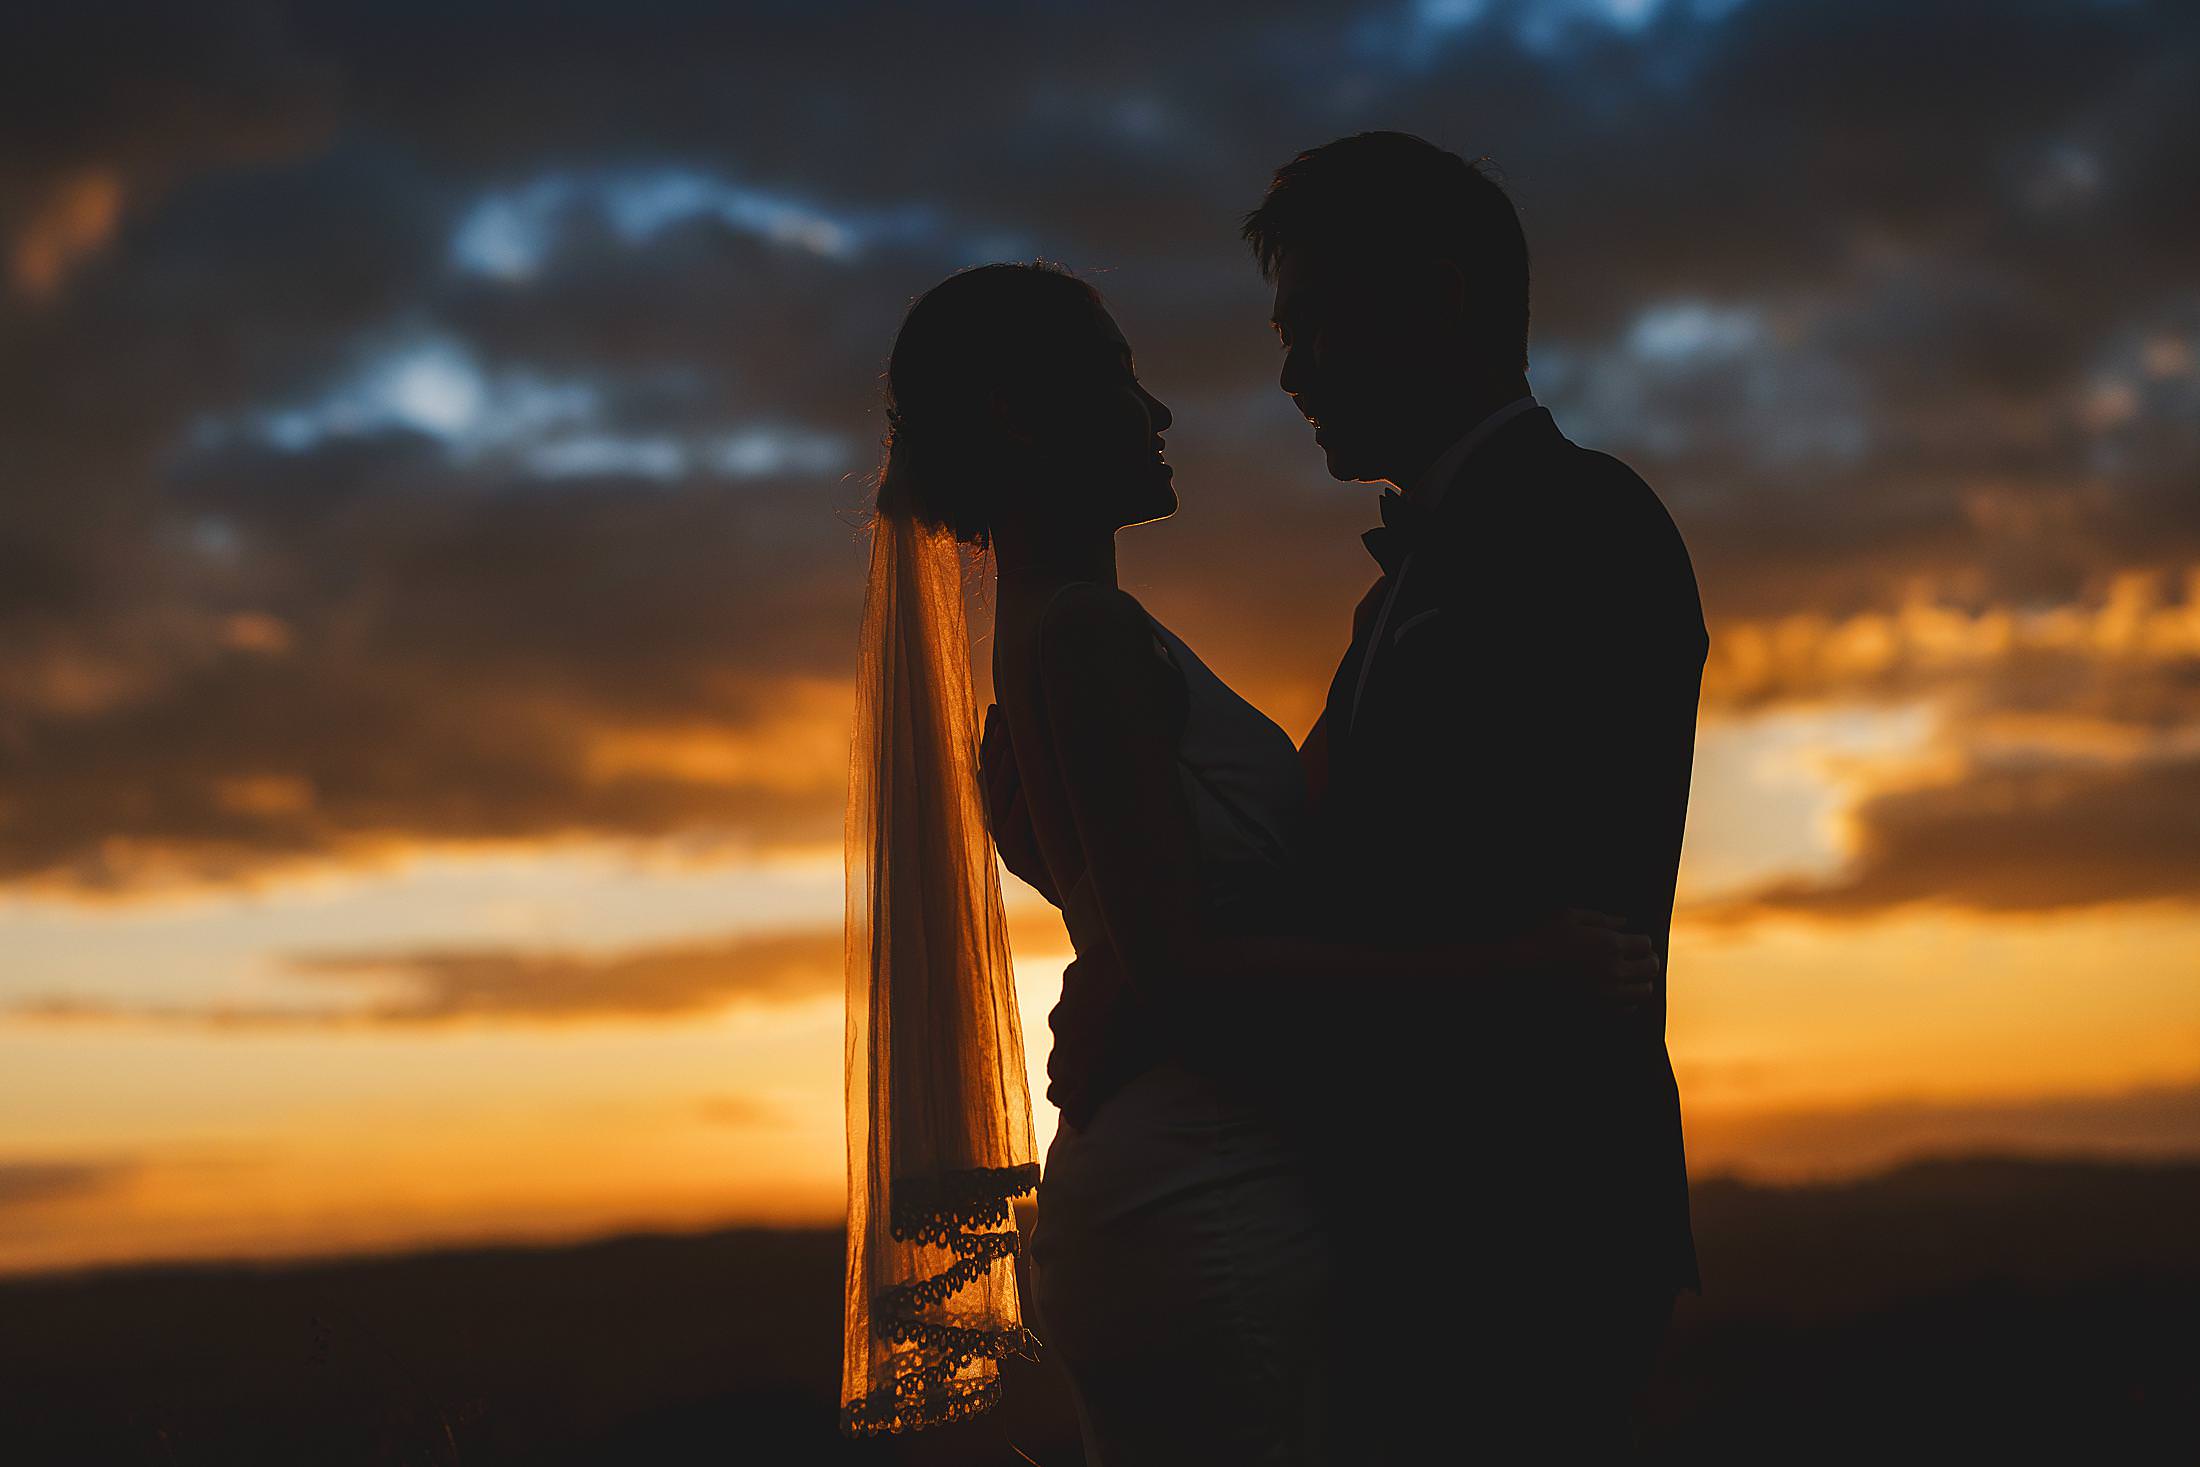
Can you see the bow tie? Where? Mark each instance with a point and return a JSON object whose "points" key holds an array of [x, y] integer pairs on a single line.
{"points": [[1404, 523]]}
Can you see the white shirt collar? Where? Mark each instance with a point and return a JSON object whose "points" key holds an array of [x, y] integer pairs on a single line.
{"points": [[1429, 489]]}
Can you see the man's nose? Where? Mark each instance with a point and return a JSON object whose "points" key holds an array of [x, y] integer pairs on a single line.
{"points": [[1292, 379]]}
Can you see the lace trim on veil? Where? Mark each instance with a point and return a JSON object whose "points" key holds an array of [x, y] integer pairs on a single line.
{"points": [[947, 1212]]}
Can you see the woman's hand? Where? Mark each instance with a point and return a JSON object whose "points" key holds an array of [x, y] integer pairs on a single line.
{"points": [[1593, 953]]}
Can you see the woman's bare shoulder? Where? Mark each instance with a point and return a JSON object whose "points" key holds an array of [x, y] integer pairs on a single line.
{"points": [[1077, 622], [1088, 608], [1093, 640]]}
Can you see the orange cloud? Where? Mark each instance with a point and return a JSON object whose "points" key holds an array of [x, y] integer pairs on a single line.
{"points": [[798, 745], [2061, 765], [2134, 628], [418, 987], [740, 1111], [2024, 838], [443, 985], [264, 794], [78, 216], [34, 1183]]}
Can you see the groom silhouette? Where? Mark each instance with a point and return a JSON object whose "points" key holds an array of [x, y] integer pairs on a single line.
{"points": [[1510, 733]]}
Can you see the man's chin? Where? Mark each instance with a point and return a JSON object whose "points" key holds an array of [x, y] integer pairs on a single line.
{"points": [[1345, 466]]}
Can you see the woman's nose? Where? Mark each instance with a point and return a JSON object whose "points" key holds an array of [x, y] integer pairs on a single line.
{"points": [[1158, 412]]}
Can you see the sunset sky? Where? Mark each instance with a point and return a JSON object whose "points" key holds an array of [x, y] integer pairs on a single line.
{"points": [[433, 443]]}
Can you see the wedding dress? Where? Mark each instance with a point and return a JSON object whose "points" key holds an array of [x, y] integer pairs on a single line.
{"points": [[1177, 1268]]}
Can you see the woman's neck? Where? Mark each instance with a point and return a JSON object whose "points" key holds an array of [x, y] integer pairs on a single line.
{"points": [[1027, 561]]}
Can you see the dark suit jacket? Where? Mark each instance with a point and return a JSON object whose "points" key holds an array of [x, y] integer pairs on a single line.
{"points": [[1522, 744]]}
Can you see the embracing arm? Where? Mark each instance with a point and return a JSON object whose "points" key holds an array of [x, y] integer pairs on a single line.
{"points": [[1113, 721]]}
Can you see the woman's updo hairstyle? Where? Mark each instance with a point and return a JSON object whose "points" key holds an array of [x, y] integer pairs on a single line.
{"points": [[993, 330]]}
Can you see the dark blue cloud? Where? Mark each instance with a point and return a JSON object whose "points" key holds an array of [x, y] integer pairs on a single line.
{"points": [[522, 360]]}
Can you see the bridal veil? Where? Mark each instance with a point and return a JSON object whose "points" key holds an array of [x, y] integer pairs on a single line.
{"points": [[939, 1110]]}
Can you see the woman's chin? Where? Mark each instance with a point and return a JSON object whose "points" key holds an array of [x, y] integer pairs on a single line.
{"points": [[1153, 507]]}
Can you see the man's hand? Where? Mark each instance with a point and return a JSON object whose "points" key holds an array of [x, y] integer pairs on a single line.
{"points": [[1005, 811], [1589, 957]]}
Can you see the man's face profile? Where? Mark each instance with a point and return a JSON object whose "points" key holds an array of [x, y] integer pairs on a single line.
{"points": [[1365, 350]]}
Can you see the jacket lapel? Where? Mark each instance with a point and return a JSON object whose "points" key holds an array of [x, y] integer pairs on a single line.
{"points": [[1337, 710], [1465, 524]]}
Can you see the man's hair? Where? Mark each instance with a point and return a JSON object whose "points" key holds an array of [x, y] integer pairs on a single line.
{"points": [[1378, 193]]}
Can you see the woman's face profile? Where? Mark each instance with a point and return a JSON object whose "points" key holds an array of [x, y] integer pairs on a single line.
{"points": [[1107, 442]]}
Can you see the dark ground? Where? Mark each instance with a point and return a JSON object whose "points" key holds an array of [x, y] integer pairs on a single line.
{"points": [[1948, 1311]]}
